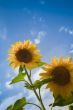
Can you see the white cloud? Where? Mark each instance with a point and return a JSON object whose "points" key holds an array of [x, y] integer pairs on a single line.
{"points": [[71, 48], [46, 95], [8, 86], [36, 75], [61, 108], [40, 35], [16, 71], [38, 19], [71, 51], [66, 30], [61, 28], [37, 41], [8, 75], [71, 32], [10, 101]]}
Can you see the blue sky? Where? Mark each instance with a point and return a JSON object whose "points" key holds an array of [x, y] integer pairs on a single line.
{"points": [[48, 23]]}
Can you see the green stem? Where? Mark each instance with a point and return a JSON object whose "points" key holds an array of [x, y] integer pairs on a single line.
{"points": [[41, 99], [42, 105], [70, 107], [35, 105], [52, 107], [27, 82]]}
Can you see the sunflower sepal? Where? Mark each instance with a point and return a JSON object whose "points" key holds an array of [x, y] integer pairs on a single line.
{"points": [[60, 101], [21, 69]]}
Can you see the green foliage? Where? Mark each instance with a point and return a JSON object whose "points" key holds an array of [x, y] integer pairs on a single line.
{"points": [[18, 105], [18, 78], [28, 86], [9, 108], [38, 84], [41, 63], [59, 101], [20, 69], [70, 107]]}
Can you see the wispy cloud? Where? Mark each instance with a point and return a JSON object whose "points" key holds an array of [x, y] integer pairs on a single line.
{"points": [[71, 48], [39, 37], [41, 34], [39, 19], [66, 30], [8, 86], [36, 75], [46, 96], [10, 101]]}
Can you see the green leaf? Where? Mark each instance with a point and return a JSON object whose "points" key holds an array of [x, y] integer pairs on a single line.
{"points": [[9, 108], [18, 78], [28, 86], [19, 104], [41, 63], [37, 84], [60, 101]]}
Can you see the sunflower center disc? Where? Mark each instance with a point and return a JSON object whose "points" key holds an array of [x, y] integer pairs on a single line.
{"points": [[24, 55], [61, 75]]}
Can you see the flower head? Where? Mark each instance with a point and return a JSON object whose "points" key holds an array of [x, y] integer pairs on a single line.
{"points": [[24, 54], [62, 73]]}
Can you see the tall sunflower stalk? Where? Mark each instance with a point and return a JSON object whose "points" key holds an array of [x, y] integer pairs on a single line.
{"points": [[58, 76]]}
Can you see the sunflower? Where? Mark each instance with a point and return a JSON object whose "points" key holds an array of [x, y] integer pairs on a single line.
{"points": [[62, 73], [24, 54]]}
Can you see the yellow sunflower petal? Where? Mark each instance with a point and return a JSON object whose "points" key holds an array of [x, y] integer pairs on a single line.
{"points": [[24, 53], [54, 61], [61, 60], [68, 60], [62, 73]]}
